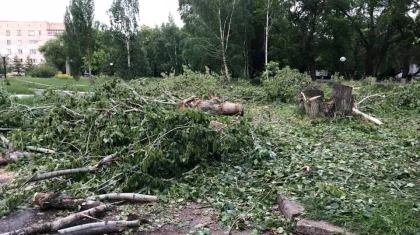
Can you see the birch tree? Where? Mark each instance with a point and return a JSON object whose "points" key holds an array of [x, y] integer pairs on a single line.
{"points": [[216, 18], [124, 22]]}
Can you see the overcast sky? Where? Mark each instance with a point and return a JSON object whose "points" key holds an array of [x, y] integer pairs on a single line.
{"points": [[152, 12]]}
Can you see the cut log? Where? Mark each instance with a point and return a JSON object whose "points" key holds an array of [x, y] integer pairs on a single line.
{"points": [[100, 228], [60, 223], [61, 201], [214, 106], [343, 99], [124, 197]]}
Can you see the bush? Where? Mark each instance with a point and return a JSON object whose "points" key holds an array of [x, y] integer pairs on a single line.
{"points": [[64, 76], [283, 84], [43, 71]]}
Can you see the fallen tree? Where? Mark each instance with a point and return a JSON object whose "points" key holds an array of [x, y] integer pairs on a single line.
{"points": [[342, 103]]}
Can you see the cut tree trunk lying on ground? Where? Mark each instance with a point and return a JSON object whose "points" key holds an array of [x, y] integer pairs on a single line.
{"points": [[342, 103], [61, 201], [60, 223], [73, 171], [214, 106], [100, 228]]}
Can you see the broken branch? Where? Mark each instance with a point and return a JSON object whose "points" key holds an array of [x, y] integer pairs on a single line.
{"points": [[101, 227], [370, 118], [40, 150], [125, 197], [72, 171]]}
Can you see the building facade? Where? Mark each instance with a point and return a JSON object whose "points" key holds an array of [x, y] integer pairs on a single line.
{"points": [[23, 38]]}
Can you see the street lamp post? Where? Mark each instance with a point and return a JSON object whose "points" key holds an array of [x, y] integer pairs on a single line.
{"points": [[4, 55], [342, 60]]}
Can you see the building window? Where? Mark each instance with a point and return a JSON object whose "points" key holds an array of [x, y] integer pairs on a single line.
{"points": [[20, 51], [39, 32], [19, 32], [33, 41], [32, 60], [9, 42], [33, 52], [31, 32], [42, 60], [21, 60], [20, 42], [7, 32], [9, 51]]}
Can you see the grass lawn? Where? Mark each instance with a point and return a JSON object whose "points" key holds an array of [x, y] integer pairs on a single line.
{"points": [[26, 85]]}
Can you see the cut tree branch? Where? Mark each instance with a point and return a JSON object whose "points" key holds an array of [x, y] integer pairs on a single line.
{"points": [[40, 150], [370, 118], [101, 227], [125, 197], [72, 171]]}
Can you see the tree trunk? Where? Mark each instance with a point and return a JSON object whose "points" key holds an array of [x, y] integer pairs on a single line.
{"points": [[343, 99], [312, 68], [128, 53], [370, 61], [267, 28], [90, 70]]}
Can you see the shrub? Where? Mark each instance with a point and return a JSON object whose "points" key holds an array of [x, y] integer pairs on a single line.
{"points": [[43, 71], [64, 76], [283, 84]]}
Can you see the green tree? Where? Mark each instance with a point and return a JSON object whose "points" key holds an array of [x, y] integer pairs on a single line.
{"points": [[130, 59], [17, 65], [80, 36], [54, 53], [212, 23], [378, 24], [29, 65]]}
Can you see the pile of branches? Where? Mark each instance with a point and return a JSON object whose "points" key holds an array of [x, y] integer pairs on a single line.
{"points": [[153, 139]]}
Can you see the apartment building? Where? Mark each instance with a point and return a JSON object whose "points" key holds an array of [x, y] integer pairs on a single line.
{"points": [[23, 38]]}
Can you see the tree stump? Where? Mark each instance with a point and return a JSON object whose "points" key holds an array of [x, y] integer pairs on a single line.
{"points": [[311, 101], [343, 99]]}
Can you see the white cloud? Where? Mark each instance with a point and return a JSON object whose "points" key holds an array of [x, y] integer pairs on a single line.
{"points": [[152, 12]]}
